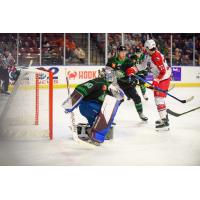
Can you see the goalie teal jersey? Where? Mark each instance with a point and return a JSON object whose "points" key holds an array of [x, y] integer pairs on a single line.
{"points": [[95, 89]]}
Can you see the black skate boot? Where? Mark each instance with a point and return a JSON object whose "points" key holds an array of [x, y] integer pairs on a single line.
{"points": [[158, 122], [82, 131], [142, 117], [164, 126], [5, 92]]}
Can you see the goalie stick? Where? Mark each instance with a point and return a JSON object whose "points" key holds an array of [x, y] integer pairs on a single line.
{"points": [[73, 127], [179, 114], [160, 90]]}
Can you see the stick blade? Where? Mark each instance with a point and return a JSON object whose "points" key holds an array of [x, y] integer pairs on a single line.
{"points": [[190, 99], [173, 113]]}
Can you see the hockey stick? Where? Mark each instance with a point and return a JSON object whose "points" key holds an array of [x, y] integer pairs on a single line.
{"points": [[179, 114], [171, 88], [165, 92], [73, 123], [73, 128]]}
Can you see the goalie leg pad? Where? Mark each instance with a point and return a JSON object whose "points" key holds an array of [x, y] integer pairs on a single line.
{"points": [[105, 118]]}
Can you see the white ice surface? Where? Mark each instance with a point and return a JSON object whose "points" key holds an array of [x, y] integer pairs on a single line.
{"points": [[135, 142]]}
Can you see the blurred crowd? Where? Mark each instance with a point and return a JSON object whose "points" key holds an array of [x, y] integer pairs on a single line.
{"points": [[179, 49]]}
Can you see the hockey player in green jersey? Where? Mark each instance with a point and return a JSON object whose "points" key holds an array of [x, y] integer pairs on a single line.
{"points": [[98, 101], [137, 57], [128, 84]]}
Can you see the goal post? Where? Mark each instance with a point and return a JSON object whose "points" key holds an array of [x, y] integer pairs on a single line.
{"points": [[29, 109]]}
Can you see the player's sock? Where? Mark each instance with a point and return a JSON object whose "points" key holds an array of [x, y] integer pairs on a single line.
{"points": [[143, 90], [138, 107], [140, 112]]}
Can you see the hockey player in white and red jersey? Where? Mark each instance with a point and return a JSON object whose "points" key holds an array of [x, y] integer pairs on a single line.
{"points": [[162, 76]]}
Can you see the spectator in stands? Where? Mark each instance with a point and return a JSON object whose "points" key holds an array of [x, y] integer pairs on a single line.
{"points": [[68, 54], [112, 52], [177, 58], [80, 54], [71, 44], [197, 59], [186, 60]]}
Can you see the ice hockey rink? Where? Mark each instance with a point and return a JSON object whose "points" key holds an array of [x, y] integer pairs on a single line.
{"points": [[135, 142]]}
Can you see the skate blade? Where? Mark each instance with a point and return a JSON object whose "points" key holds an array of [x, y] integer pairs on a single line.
{"points": [[144, 121], [162, 129], [83, 136]]}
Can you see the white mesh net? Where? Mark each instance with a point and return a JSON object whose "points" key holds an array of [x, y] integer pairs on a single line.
{"points": [[26, 113]]}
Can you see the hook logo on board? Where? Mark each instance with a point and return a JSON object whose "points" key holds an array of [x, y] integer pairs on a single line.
{"points": [[72, 75]]}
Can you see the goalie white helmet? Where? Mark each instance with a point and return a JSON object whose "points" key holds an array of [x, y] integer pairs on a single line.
{"points": [[150, 44], [109, 74]]}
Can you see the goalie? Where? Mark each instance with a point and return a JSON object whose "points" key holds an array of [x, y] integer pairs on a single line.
{"points": [[98, 101]]}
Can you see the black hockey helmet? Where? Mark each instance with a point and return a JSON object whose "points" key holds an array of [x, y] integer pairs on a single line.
{"points": [[121, 48], [137, 49]]}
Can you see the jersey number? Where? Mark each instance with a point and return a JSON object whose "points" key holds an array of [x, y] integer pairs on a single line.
{"points": [[88, 85]]}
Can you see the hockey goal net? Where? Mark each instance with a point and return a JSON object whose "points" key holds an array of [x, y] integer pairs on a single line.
{"points": [[29, 109]]}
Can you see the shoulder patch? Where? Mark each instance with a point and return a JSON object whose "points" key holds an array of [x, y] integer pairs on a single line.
{"points": [[104, 87], [113, 65]]}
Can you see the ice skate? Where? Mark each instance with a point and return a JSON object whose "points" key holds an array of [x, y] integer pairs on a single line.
{"points": [[89, 139], [158, 122], [142, 117], [82, 131], [145, 97], [164, 126]]}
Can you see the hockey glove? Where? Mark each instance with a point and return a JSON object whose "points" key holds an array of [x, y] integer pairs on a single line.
{"points": [[131, 71], [116, 91]]}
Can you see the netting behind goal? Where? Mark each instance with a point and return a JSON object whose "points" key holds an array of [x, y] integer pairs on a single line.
{"points": [[29, 110]]}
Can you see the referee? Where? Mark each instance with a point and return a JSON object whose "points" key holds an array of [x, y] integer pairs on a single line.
{"points": [[4, 75]]}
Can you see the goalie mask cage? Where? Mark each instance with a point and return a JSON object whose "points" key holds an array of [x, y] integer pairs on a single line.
{"points": [[29, 109]]}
